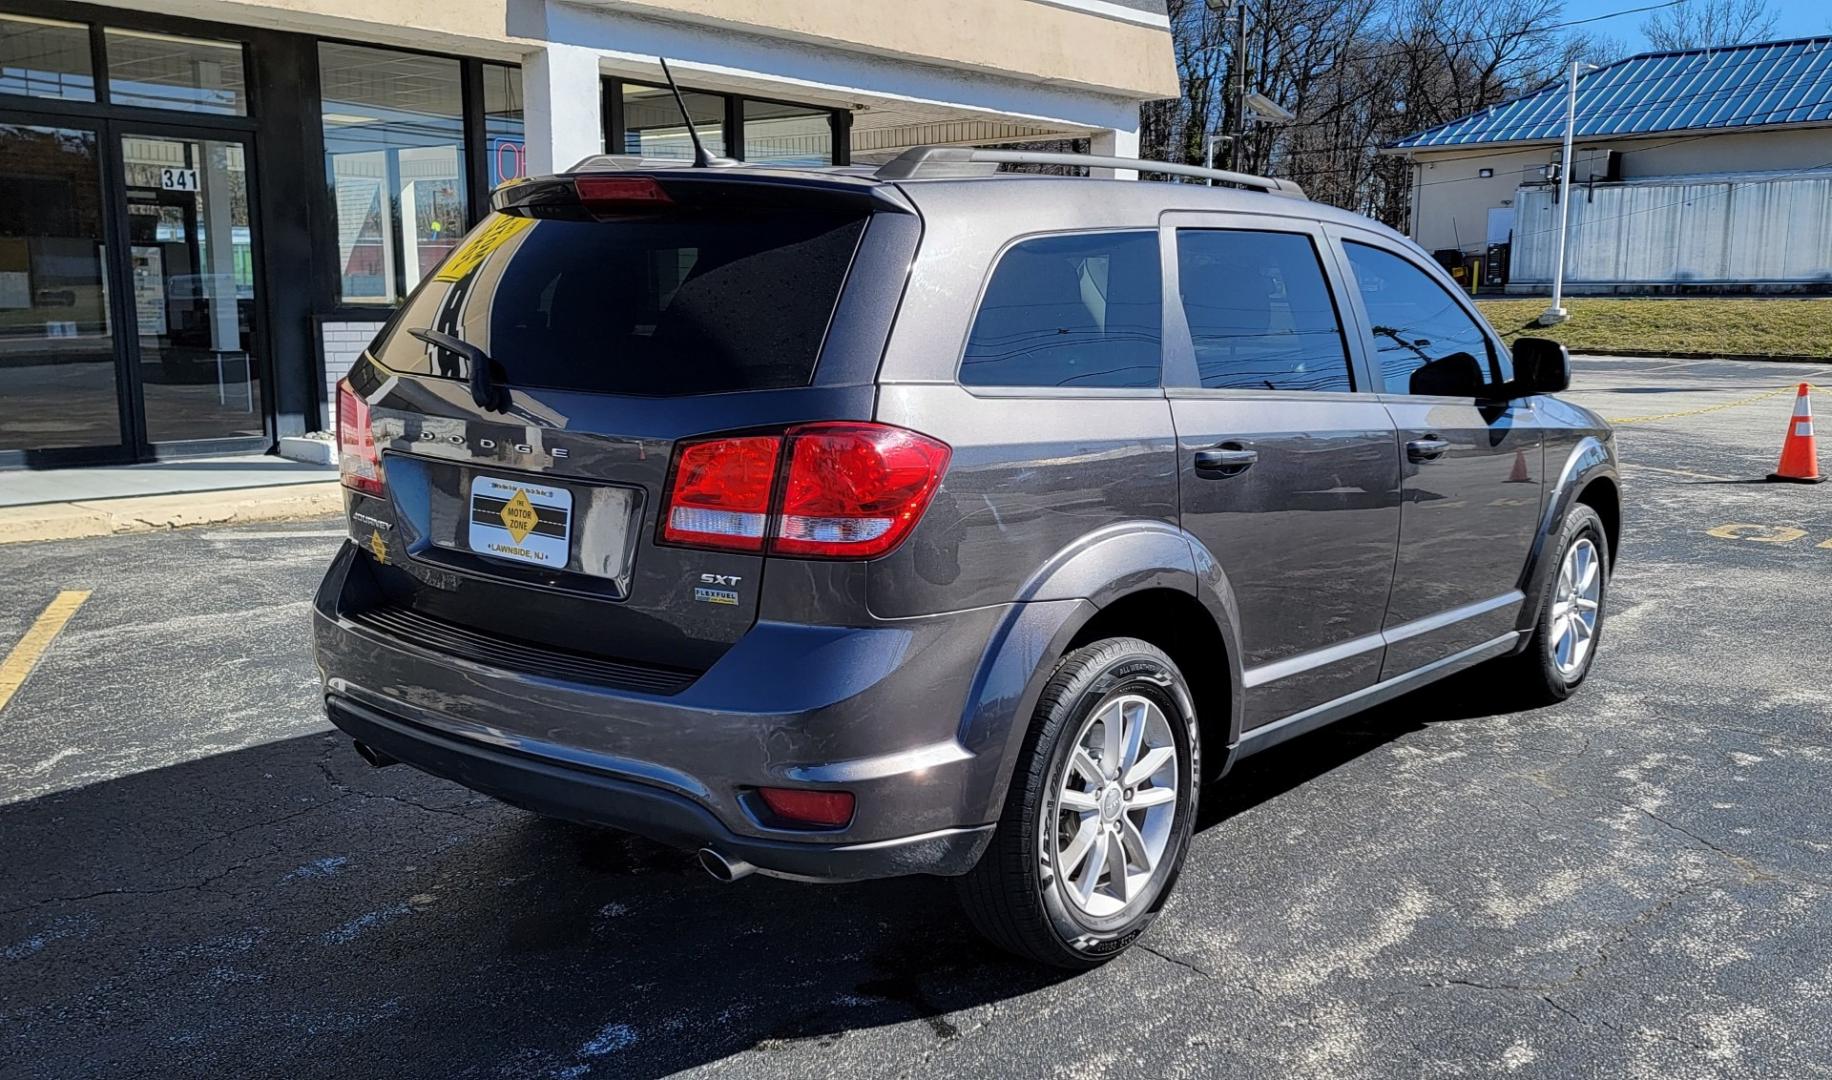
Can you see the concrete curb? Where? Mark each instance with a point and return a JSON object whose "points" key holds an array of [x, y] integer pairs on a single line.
{"points": [[151, 513]]}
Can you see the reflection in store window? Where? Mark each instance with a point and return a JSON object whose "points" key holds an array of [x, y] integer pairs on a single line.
{"points": [[394, 144], [502, 123], [46, 59], [652, 125], [190, 250], [57, 368], [158, 71], [787, 134]]}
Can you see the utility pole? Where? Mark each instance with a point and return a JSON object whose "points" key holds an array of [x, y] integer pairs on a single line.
{"points": [[1234, 107], [1556, 313], [1238, 143]]}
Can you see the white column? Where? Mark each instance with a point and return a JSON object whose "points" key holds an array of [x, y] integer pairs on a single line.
{"points": [[562, 114], [1115, 142]]}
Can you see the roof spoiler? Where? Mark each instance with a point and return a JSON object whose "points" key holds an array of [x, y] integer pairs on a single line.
{"points": [[928, 162]]}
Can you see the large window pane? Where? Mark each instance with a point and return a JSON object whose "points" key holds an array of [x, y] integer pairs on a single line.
{"points": [[394, 143], [158, 71], [1070, 311], [652, 125], [57, 368], [502, 123], [787, 134], [45, 58], [1259, 311]]}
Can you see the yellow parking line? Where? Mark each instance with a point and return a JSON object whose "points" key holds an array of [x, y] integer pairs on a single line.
{"points": [[37, 641], [1751, 400]]}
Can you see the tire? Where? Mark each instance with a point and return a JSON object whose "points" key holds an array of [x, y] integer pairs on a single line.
{"points": [[1086, 916], [1543, 673]]}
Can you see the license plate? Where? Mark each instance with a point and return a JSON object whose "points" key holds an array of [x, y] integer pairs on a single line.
{"points": [[521, 522]]}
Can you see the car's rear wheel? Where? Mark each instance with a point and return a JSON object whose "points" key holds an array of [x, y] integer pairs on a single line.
{"points": [[1573, 589], [1099, 812]]}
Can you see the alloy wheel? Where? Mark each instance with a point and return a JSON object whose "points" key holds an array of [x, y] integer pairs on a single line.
{"points": [[1116, 801], [1576, 606]]}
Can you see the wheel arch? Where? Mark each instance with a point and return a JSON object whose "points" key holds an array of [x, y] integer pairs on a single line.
{"points": [[1148, 580], [1589, 476]]}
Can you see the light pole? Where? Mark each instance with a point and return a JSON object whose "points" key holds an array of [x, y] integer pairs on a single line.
{"points": [[1557, 313]]}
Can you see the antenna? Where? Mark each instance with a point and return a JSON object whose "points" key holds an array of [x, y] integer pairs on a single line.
{"points": [[701, 159]]}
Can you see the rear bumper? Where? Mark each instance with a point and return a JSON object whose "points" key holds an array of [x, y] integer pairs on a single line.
{"points": [[874, 710], [595, 799]]}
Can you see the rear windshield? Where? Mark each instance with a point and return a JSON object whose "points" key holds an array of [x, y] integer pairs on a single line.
{"points": [[691, 304]]}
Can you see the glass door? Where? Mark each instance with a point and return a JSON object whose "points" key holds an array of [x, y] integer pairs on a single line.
{"points": [[60, 396], [190, 250]]}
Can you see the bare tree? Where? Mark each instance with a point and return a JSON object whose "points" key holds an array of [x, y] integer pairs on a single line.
{"points": [[1359, 74], [1700, 24]]}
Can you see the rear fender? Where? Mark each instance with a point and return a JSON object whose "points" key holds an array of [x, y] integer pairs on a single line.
{"points": [[1054, 605]]}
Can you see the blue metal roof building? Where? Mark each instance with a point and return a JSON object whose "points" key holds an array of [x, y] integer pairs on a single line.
{"points": [[1703, 170], [1740, 86]]}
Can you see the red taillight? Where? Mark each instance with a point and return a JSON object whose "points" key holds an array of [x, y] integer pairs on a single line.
{"points": [[828, 808], [358, 464], [855, 490], [721, 493], [615, 192], [852, 491]]}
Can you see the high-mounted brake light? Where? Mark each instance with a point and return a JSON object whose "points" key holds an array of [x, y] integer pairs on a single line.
{"points": [[849, 490], [611, 192], [359, 465], [721, 493]]}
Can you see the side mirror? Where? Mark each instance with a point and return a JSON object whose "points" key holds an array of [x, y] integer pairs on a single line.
{"points": [[1541, 366], [1456, 375]]}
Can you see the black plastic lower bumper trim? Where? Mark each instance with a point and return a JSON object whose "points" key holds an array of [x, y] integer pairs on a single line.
{"points": [[563, 791]]}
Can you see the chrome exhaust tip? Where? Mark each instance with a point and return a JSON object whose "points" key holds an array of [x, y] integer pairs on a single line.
{"points": [[372, 755], [724, 868]]}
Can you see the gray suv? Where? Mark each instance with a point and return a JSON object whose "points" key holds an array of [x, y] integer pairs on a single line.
{"points": [[843, 525]]}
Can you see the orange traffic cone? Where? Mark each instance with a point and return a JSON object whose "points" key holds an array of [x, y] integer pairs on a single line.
{"points": [[1799, 453]]}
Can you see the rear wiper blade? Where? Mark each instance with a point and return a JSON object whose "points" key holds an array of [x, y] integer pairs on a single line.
{"points": [[484, 390]]}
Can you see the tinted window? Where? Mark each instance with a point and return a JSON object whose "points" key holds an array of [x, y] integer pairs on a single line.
{"points": [[1078, 310], [1260, 312], [700, 304], [1416, 322]]}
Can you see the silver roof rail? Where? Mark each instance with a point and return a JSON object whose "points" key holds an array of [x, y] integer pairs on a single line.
{"points": [[926, 162]]}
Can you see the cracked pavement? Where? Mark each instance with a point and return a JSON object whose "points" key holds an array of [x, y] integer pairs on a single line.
{"points": [[200, 878]]}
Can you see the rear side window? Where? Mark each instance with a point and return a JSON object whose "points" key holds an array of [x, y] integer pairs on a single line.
{"points": [[1080, 311], [1415, 322], [1260, 312], [686, 304]]}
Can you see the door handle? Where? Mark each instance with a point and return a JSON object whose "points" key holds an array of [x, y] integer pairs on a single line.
{"points": [[1228, 459], [1429, 448]]}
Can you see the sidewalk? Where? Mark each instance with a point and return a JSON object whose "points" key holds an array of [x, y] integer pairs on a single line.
{"points": [[65, 504]]}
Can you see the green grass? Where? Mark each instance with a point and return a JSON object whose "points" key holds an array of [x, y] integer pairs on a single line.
{"points": [[1681, 327]]}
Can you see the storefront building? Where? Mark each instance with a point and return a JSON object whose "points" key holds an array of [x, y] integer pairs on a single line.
{"points": [[210, 207]]}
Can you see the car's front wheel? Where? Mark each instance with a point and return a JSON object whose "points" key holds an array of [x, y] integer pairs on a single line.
{"points": [[1573, 589], [1099, 811]]}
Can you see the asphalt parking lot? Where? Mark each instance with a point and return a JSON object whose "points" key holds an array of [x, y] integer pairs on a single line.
{"points": [[198, 878]]}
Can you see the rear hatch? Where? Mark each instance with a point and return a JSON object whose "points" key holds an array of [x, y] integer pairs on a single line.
{"points": [[529, 400]]}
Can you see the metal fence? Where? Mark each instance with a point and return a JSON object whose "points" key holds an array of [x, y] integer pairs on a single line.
{"points": [[1685, 231]]}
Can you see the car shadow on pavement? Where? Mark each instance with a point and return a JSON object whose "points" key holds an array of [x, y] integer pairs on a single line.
{"points": [[286, 910], [1267, 775]]}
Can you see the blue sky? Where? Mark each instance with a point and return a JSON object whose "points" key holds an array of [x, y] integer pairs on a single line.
{"points": [[1797, 18]]}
